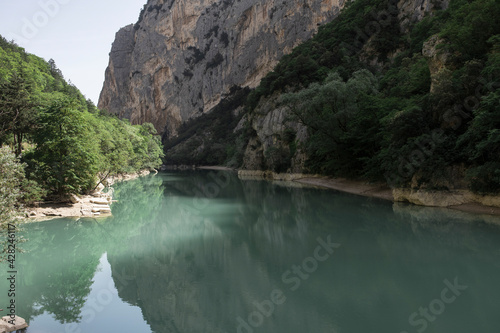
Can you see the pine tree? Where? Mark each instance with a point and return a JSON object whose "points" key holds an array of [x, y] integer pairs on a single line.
{"points": [[17, 110]]}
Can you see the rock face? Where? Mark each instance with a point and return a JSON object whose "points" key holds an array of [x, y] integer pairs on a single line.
{"points": [[275, 132], [412, 11], [181, 57], [437, 60]]}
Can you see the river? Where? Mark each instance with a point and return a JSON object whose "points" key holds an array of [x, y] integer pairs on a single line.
{"points": [[206, 252]]}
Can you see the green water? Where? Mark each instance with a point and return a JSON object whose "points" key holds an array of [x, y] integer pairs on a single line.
{"points": [[205, 252]]}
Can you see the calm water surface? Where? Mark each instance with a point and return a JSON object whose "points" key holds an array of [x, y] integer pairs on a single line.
{"points": [[206, 252]]}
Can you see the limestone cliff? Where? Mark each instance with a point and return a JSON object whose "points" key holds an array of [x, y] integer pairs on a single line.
{"points": [[180, 59]]}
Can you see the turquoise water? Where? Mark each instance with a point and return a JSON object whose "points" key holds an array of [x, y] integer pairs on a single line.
{"points": [[206, 252]]}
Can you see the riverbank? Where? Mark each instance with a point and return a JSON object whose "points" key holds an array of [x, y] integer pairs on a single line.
{"points": [[462, 200], [380, 191], [218, 168], [97, 204]]}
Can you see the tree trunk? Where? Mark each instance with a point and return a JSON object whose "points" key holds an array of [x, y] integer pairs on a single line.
{"points": [[18, 139]]}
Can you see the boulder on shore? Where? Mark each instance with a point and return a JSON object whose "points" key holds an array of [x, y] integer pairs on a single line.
{"points": [[73, 198], [7, 326], [100, 201]]}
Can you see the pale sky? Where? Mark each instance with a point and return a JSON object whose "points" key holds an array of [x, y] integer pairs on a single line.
{"points": [[77, 34]]}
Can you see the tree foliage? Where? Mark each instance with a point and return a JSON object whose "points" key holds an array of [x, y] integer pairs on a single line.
{"points": [[332, 111], [68, 145], [481, 145], [210, 138], [17, 110], [66, 153]]}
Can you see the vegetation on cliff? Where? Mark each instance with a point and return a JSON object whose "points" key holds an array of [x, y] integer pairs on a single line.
{"points": [[416, 124], [413, 104], [63, 144]]}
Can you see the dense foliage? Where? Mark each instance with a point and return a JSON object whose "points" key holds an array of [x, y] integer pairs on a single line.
{"points": [[65, 143], [334, 113], [364, 89]]}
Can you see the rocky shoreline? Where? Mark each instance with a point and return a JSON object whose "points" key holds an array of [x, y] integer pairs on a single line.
{"points": [[97, 204], [463, 200]]}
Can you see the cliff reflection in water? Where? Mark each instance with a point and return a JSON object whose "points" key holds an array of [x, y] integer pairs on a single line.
{"points": [[204, 251], [215, 246], [209, 252]]}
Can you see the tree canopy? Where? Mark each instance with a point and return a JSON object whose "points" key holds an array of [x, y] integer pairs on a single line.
{"points": [[66, 144]]}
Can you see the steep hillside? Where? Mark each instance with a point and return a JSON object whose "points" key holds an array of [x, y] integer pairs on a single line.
{"points": [[182, 57], [404, 92]]}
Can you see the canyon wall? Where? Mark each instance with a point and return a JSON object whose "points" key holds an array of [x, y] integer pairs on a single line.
{"points": [[181, 58]]}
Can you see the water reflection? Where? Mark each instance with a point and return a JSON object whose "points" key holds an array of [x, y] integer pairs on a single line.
{"points": [[204, 251], [57, 274], [205, 261]]}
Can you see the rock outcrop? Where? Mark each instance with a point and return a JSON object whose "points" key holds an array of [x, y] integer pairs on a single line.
{"points": [[8, 324], [277, 135], [97, 204], [180, 59], [413, 11], [437, 60]]}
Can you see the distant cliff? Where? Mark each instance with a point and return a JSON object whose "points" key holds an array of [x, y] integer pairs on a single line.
{"points": [[180, 59]]}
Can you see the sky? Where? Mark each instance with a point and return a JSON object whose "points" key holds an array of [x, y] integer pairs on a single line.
{"points": [[77, 34]]}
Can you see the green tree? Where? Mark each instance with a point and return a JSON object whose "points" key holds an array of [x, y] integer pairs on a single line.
{"points": [[67, 154], [116, 151], [17, 110], [481, 145], [331, 110], [70, 143], [153, 151], [471, 24]]}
